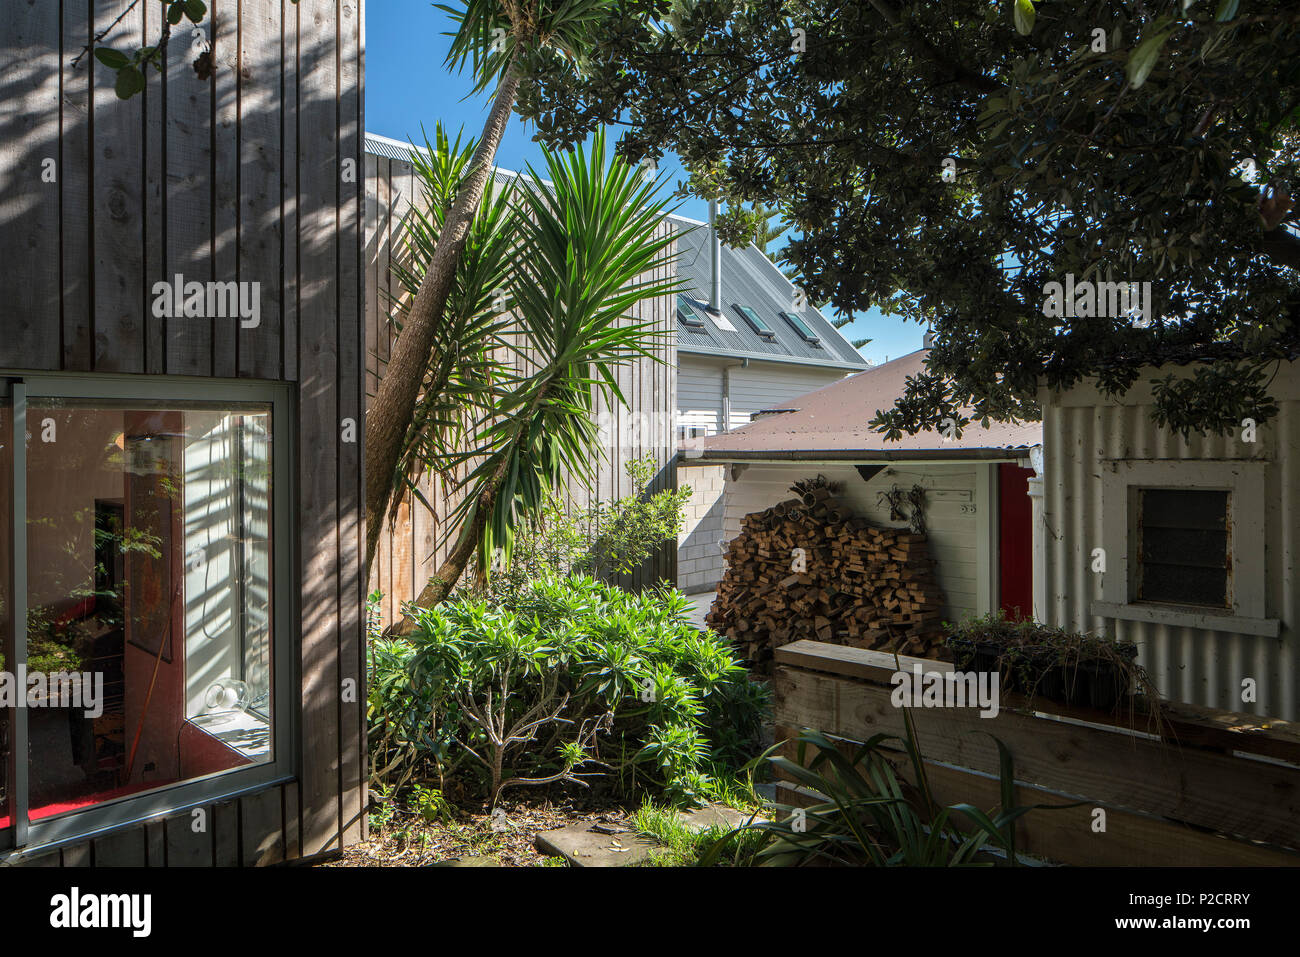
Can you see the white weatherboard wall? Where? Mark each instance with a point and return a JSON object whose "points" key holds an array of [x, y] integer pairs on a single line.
{"points": [[763, 385], [959, 516], [1093, 448]]}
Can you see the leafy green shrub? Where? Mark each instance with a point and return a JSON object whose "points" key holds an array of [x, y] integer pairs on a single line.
{"points": [[406, 738], [606, 539], [565, 680]]}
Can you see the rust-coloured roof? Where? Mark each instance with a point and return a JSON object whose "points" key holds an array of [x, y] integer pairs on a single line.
{"points": [[833, 423]]}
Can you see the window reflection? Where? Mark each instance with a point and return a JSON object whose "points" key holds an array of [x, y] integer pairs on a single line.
{"points": [[149, 582]]}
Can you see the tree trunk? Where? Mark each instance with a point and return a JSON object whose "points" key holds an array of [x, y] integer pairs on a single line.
{"points": [[394, 405]]}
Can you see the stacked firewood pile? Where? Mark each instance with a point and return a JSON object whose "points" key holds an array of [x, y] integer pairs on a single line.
{"points": [[808, 568]]}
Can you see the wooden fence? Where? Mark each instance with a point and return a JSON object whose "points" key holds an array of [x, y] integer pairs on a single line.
{"points": [[411, 549], [1201, 788]]}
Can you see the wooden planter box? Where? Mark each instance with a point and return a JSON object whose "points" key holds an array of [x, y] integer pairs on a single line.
{"points": [[1208, 794]]}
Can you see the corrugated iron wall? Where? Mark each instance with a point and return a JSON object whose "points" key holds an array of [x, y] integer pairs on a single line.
{"points": [[409, 552], [1083, 434]]}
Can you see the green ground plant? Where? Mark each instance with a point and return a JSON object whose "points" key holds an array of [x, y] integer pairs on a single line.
{"points": [[867, 812]]}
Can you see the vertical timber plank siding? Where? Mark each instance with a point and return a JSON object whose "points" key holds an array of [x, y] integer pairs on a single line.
{"points": [[225, 32], [117, 220], [225, 834], [153, 159], [189, 838], [120, 849], [349, 176], [188, 175], [319, 389], [29, 191], [290, 17], [264, 819], [117, 310], [261, 240], [74, 196], [232, 178]]}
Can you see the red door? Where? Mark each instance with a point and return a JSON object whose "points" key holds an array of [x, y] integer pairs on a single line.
{"points": [[1015, 541]]}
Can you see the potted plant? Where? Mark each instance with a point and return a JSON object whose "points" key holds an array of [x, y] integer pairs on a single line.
{"points": [[1075, 669]]}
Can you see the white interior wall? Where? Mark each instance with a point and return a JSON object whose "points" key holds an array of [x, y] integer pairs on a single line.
{"points": [[213, 546]]}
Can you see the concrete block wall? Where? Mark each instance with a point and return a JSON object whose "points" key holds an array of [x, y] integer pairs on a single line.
{"points": [[699, 555]]}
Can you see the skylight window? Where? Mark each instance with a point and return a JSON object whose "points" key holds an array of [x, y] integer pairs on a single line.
{"points": [[687, 315], [755, 321], [801, 327]]}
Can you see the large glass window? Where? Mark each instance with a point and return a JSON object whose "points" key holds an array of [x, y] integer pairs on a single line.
{"points": [[148, 581]]}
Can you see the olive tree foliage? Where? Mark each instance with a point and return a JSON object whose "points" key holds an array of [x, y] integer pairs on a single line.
{"points": [[944, 160]]}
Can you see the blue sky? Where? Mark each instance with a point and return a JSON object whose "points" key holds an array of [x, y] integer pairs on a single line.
{"points": [[408, 85]]}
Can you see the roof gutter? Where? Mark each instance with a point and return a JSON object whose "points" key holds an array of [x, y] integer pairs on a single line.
{"points": [[683, 349], [782, 456]]}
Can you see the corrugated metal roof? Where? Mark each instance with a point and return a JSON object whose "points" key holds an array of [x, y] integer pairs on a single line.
{"points": [[748, 278], [751, 279], [832, 422]]}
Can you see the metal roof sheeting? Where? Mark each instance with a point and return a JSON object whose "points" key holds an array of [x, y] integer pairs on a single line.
{"points": [[832, 423], [751, 279]]}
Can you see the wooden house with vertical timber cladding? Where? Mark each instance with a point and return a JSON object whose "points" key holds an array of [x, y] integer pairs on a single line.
{"points": [[181, 402]]}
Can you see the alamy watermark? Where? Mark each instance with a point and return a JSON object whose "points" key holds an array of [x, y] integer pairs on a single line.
{"points": [[77, 910], [946, 689], [1088, 299], [60, 689], [179, 299]]}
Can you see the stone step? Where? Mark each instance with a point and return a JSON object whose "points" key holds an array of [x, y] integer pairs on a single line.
{"points": [[590, 845]]}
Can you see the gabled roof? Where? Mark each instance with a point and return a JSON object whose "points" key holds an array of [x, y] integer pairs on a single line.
{"points": [[832, 424], [751, 279]]}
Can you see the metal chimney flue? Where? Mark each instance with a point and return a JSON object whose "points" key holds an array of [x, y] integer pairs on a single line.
{"points": [[715, 294]]}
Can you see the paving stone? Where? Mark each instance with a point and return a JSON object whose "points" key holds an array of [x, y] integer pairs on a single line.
{"points": [[582, 846], [473, 860], [714, 815]]}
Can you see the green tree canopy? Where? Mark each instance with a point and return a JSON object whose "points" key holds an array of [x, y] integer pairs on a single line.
{"points": [[1107, 139]]}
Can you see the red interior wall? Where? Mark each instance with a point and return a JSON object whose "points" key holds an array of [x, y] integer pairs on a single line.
{"points": [[1015, 541]]}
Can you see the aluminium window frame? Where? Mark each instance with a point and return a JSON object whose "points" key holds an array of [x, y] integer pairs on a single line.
{"points": [[30, 836], [801, 327], [755, 321], [687, 314]]}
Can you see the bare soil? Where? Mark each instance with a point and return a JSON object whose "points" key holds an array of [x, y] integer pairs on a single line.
{"points": [[409, 840]]}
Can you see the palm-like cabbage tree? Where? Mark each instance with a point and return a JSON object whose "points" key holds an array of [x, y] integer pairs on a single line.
{"points": [[465, 357], [590, 243], [497, 37]]}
